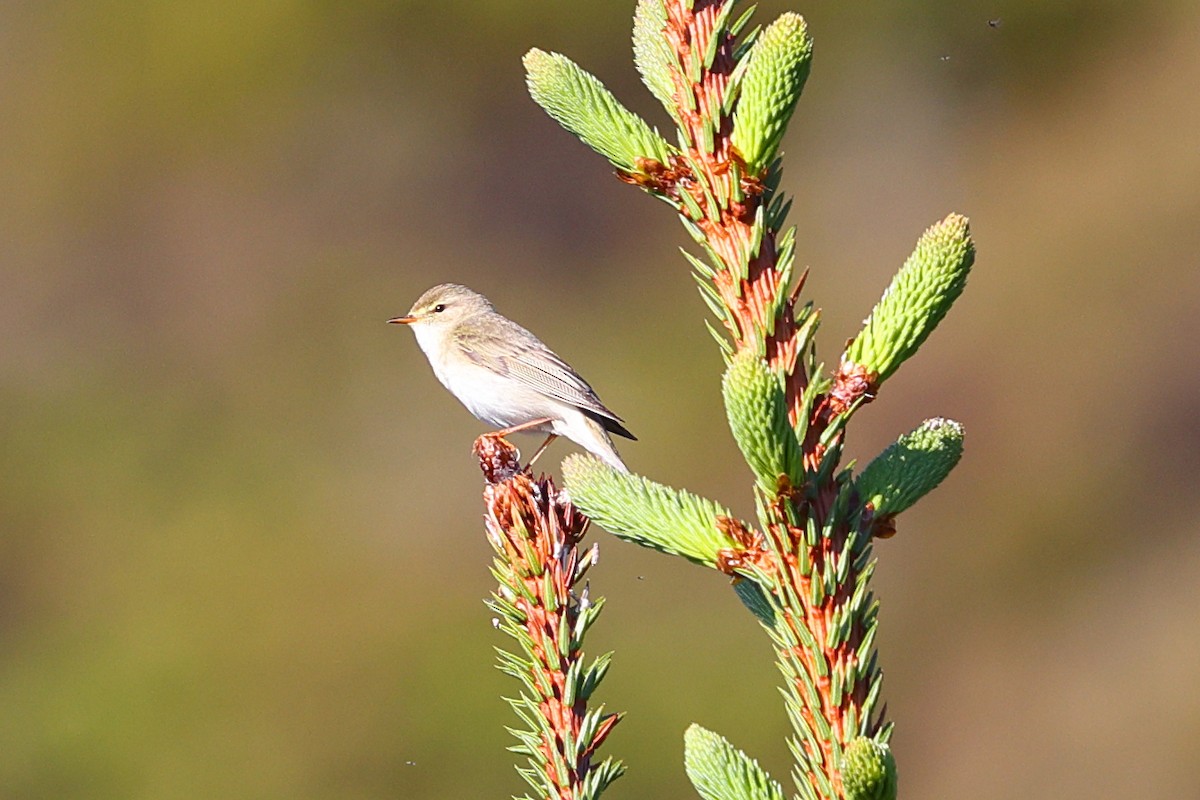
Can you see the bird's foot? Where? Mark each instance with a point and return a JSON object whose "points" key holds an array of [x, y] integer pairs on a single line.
{"points": [[494, 448], [491, 444]]}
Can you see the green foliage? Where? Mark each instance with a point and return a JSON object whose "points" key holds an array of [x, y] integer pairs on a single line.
{"points": [[911, 467], [806, 575], [531, 745], [918, 298], [868, 770], [757, 411], [581, 104], [775, 71], [601, 775], [645, 512], [756, 601], [652, 53], [542, 602], [720, 771], [805, 693]]}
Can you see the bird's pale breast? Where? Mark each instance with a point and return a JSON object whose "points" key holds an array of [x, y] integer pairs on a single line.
{"points": [[498, 400]]}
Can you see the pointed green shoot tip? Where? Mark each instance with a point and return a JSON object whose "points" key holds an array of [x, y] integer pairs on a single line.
{"points": [[777, 67], [720, 771], [868, 770], [918, 298], [578, 101], [911, 467], [647, 513], [758, 418], [652, 53]]}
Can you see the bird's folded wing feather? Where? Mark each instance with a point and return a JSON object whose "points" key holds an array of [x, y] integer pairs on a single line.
{"points": [[532, 363]]}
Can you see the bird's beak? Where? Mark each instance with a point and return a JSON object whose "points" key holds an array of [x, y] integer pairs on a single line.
{"points": [[402, 320]]}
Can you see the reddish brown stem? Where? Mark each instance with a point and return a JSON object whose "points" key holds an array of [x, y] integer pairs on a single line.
{"points": [[754, 299], [762, 312]]}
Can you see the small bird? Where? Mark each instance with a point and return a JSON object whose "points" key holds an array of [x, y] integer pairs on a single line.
{"points": [[505, 376]]}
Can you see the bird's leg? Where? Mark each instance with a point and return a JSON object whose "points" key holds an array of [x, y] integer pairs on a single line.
{"points": [[541, 449], [524, 426]]}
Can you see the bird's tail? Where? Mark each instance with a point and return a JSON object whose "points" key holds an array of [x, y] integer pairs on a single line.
{"points": [[597, 442], [613, 459]]}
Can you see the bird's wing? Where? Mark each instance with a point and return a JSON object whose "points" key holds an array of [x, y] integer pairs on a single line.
{"points": [[519, 354]]}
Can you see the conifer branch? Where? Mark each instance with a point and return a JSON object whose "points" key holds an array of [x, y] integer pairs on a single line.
{"points": [[543, 604], [805, 573]]}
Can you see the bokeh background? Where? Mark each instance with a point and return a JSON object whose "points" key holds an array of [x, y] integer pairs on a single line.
{"points": [[240, 541]]}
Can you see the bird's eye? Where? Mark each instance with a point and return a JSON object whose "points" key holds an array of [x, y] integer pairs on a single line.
{"points": [[439, 308]]}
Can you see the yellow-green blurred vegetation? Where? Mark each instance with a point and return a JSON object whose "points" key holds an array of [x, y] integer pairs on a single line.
{"points": [[240, 542]]}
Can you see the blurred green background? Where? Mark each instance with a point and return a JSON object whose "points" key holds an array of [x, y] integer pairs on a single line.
{"points": [[240, 541]]}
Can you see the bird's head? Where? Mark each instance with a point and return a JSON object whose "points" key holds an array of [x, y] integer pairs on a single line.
{"points": [[443, 307]]}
